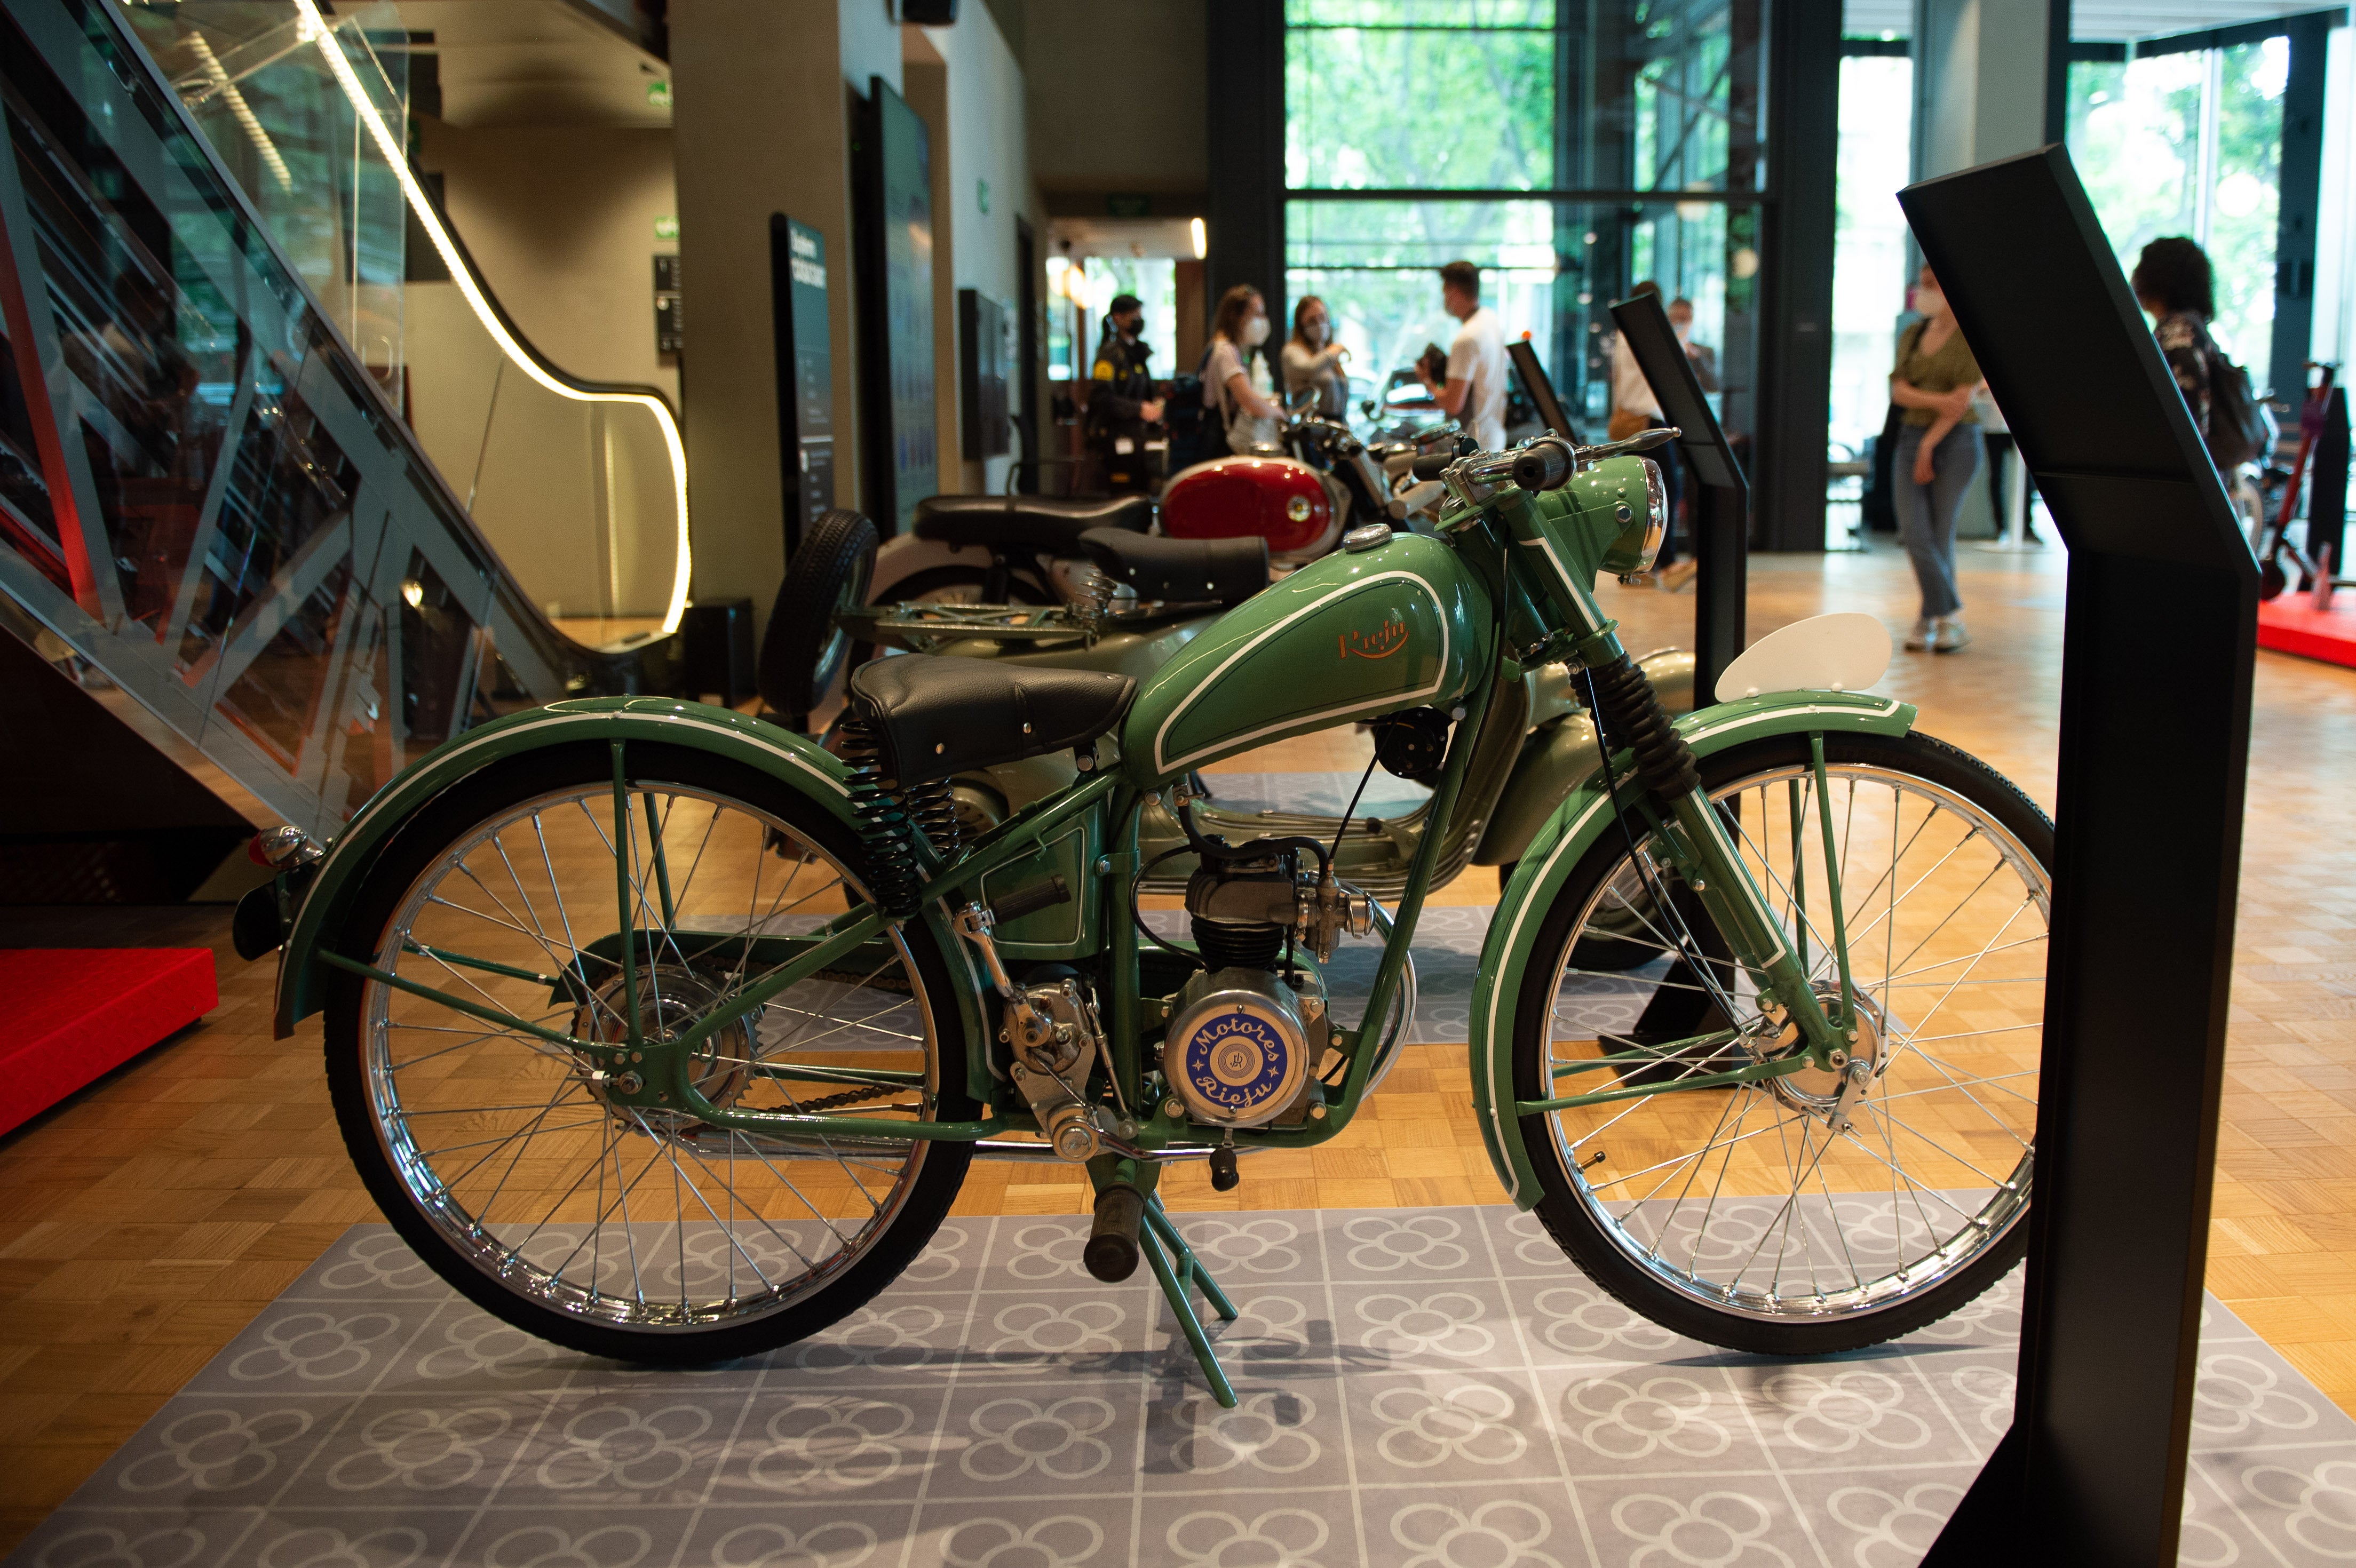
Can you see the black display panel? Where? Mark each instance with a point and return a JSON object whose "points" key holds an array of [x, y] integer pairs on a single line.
{"points": [[893, 164], [798, 280]]}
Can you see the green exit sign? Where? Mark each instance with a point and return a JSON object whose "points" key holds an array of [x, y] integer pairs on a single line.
{"points": [[659, 94], [666, 228]]}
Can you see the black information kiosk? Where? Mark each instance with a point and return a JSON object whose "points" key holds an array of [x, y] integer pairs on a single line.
{"points": [[2157, 661]]}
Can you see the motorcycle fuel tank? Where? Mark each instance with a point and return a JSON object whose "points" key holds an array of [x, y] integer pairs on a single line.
{"points": [[1288, 504], [1351, 635]]}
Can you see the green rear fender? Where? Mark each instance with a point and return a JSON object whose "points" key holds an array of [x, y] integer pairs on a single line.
{"points": [[794, 760], [1550, 858]]}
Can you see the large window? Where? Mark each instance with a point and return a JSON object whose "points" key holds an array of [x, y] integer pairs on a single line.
{"points": [[1869, 242], [2190, 143], [1571, 148]]}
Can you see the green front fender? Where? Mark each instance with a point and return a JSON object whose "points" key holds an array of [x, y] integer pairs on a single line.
{"points": [[794, 760], [1555, 851]]}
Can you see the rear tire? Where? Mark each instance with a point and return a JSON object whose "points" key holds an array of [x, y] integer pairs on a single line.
{"points": [[802, 649], [615, 1230], [1692, 1207]]}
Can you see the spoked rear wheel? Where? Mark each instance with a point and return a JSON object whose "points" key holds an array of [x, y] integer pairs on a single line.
{"points": [[540, 1177], [1769, 1216]]}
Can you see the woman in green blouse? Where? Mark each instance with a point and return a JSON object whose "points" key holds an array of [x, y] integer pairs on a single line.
{"points": [[1938, 453]]}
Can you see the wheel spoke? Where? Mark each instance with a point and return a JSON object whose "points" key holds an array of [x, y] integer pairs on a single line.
{"points": [[554, 1174], [1779, 1199]]}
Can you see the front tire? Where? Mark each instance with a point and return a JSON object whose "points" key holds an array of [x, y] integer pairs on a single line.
{"points": [[514, 1166], [1768, 1217]]}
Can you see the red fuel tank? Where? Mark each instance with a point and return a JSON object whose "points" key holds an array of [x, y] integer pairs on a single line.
{"points": [[1291, 505]]}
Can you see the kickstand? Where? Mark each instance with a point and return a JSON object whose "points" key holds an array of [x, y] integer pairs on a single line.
{"points": [[1178, 1272]]}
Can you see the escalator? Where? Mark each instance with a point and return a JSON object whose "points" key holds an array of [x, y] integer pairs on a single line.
{"points": [[206, 493]]}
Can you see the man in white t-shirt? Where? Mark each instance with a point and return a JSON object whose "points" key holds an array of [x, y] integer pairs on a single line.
{"points": [[1474, 394]]}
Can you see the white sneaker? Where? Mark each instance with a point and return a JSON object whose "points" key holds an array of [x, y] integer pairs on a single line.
{"points": [[1951, 635], [1920, 637]]}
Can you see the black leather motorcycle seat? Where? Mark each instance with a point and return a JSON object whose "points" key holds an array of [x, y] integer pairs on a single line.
{"points": [[1042, 522], [939, 716], [1181, 572]]}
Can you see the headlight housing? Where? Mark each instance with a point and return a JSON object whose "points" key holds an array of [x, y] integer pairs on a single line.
{"points": [[1639, 542]]}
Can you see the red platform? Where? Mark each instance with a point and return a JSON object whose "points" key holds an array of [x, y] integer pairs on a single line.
{"points": [[73, 1013], [2289, 627]]}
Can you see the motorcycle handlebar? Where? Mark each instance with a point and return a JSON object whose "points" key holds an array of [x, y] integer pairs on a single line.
{"points": [[1548, 461], [1434, 466], [1542, 465]]}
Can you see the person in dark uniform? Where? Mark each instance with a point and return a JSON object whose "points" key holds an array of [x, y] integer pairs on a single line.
{"points": [[1123, 400]]}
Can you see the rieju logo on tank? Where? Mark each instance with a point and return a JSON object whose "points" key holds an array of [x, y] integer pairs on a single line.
{"points": [[1380, 644]]}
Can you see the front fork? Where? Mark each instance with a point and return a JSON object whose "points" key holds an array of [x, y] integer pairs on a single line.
{"points": [[1687, 825], [1706, 858]]}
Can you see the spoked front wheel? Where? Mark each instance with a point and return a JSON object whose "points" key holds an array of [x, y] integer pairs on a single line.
{"points": [[530, 1162], [1785, 1216]]}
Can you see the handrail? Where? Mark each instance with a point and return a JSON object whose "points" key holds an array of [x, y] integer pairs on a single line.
{"points": [[492, 314]]}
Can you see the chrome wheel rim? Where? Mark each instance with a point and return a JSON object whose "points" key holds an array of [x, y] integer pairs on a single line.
{"points": [[528, 1167], [1754, 1200]]}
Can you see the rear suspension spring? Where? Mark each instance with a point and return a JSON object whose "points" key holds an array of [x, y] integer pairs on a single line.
{"points": [[886, 826]]}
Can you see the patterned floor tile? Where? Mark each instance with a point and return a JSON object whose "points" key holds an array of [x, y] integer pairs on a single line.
{"points": [[1426, 1389]]}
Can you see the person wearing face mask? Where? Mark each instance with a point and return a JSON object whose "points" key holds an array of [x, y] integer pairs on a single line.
{"points": [[1313, 360], [1704, 359], [1238, 327], [1123, 400], [1938, 453]]}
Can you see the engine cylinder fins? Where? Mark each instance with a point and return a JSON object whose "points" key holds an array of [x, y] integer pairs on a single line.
{"points": [[1232, 944], [1631, 715]]}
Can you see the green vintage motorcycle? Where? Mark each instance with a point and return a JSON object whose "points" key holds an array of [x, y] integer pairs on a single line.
{"points": [[669, 1036]]}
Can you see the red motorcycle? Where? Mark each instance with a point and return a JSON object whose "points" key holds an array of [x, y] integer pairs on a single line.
{"points": [[1325, 481]]}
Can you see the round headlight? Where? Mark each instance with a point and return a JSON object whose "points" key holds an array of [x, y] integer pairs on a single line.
{"points": [[1657, 511]]}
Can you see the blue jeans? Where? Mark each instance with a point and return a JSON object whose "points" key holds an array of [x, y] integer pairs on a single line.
{"points": [[1926, 513]]}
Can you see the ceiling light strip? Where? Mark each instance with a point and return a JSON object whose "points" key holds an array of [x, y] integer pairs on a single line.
{"points": [[395, 155]]}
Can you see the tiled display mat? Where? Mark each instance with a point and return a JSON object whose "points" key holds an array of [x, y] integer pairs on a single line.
{"points": [[1436, 1388]]}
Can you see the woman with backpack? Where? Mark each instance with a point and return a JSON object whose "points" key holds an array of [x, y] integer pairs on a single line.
{"points": [[2176, 288]]}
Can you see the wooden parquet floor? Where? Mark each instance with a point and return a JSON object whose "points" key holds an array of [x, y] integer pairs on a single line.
{"points": [[148, 1219]]}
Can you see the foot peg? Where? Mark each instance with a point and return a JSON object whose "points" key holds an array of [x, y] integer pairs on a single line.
{"points": [[1112, 1251], [1224, 1176]]}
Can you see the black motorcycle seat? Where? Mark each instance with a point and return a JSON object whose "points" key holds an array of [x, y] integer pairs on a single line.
{"points": [[1041, 522], [939, 716], [1181, 572]]}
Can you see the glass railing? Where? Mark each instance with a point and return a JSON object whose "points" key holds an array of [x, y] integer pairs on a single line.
{"points": [[207, 490], [579, 484]]}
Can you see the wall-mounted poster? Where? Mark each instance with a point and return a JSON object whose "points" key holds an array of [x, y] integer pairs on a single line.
{"points": [[895, 254], [983, 370], [805, 372]]}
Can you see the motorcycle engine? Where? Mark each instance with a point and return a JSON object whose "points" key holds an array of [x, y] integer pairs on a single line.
{"points": [[1244, 1040]]}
